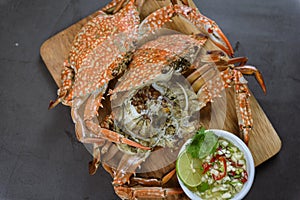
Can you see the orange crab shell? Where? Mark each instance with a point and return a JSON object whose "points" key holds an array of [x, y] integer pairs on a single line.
{"points": [[153, 58], [104, 35], [100, 28]]}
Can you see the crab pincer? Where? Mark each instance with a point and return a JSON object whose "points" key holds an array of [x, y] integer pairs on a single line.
{"points": [[205, 25]]}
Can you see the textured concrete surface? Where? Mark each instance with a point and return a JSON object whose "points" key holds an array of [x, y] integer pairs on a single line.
{"points": [[39, 155]]}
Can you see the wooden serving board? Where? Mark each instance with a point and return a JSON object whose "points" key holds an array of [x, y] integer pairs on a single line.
{"points": [[264, 141]]}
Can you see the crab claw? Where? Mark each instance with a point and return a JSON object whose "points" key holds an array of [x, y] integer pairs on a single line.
{"points": [[52, 104], [218, 38], [205, 25]]}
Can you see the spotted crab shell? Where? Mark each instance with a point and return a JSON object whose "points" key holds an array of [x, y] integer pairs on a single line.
{"points": [[100, 47], [152, 58], [155, 64]]}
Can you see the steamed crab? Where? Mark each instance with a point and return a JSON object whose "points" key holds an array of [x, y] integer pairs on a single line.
{"points": [[85, 82], [106, 49]]}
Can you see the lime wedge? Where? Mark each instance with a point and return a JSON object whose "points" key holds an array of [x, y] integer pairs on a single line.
{"points": [[189, 169], [208, 144]]}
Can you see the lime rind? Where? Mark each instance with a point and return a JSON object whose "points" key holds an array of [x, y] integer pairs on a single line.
{"points": [[188, 170], [189, 164]]}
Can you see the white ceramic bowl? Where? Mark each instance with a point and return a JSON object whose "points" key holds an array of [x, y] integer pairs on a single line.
{"points": [[249, 162]]}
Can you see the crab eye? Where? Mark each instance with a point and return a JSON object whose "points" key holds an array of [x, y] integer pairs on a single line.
{"points": [[210, 30]]}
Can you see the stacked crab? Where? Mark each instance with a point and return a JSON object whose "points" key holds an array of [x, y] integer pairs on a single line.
{"points": [[131, 71]]}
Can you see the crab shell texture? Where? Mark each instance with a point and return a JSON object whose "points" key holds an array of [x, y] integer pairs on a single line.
{"points": [[155, 64], [153, 58], [95, 35], [99, 29]]}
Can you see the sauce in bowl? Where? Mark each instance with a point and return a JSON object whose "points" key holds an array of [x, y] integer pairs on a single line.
{"points": [[224, 171]]}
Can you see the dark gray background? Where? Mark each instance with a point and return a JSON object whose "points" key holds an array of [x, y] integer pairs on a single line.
{"points": [[39, 155]]}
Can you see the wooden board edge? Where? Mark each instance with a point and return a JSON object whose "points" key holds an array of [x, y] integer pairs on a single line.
{"points": [[276, 137], [43, 52], [275, 143]]}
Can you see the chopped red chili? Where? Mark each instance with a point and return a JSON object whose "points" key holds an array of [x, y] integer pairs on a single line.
{"points": [[216, 157], [206, 167], [221, 174], [234, 164], [245, 177]]}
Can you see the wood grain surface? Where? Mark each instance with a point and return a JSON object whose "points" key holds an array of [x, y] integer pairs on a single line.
{"points": [[264, 141]]}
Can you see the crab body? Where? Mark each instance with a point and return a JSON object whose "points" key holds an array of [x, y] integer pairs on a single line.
{"points": [[97, 56], [154, 83], [150, 107]]}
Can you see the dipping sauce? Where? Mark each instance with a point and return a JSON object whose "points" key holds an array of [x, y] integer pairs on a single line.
{"points": [[212, 167], [223, 172]]}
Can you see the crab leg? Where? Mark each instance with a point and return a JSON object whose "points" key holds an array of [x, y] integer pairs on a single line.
{"points": [[240, 60], [120, 139], [113, 150], [90, 118], [208, 90], [243, 105], [185, 2], [133, 180], [208, 27], [251, 70], [127, 166], [116, 5], [201, 75], [99, 154], [219, 58], [229, 75], [207, 82], [206, 93], [145, 192], [152, 181], [94, 164], [108, 169], [89, 126], [64, 92]]}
